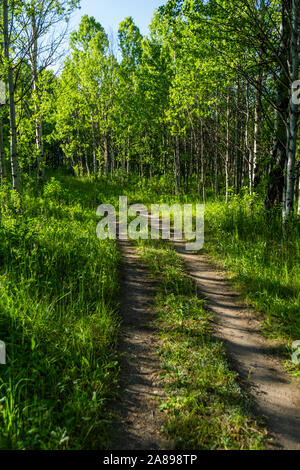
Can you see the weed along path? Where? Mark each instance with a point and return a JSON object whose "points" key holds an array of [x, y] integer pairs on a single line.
{"points": [[140, 421], [277, 395]]}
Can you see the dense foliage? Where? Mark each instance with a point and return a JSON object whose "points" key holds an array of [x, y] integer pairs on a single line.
{"points": [[208, 99], [202, 109]]}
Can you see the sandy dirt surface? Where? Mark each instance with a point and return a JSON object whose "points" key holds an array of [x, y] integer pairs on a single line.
{"points": [[140, 421]]}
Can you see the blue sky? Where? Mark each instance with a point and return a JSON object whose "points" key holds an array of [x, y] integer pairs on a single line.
{"points": [[111, 12]]}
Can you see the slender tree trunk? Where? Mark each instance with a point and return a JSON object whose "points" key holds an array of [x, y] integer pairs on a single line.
{"points": [[298, 194], [284, 191], [185, 176], [198, 172], [256, 142], [128, 152], [227, 149], [87, 164], [112, 153], [257, 119], [197, 155], [278, 158], [202, 162], [196, 145], [94, 147], [2, 154], [258, 107], [191, 167], [106, 156], [12, 112], [216, 167], [80, 152], [248, 150], [293, 112], [164, 154], [37, 120], [177, 165], [237, 140], [124, 156]]}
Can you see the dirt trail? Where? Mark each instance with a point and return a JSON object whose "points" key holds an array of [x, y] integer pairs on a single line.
{"points": [[277, 395], [140, 421]]}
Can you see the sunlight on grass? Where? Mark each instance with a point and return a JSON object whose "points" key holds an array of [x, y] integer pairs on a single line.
{"points": [[206, 406], [250, 244], [57, 303], [264, 265]]}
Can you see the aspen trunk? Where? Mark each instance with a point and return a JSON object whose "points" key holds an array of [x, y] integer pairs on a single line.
{"points": [[237, 141], [216, 166], [37, 120], [177, 165], [112, 153], [94, 147], [2, 154], [227, 149], [106, 156], [293, 113], [257, 114], [164, 154], [278, 158], [196, 144], [298, 195], [257, 119], [248, 150], [202, 162], [87, 164], [12, 112]]}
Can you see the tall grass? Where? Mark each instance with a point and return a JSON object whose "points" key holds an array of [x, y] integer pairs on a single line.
{"points": [[262, 261], [57, 318], [58, 310], [205, 405]]}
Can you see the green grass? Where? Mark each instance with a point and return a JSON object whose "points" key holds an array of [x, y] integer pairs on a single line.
{"points": [[206, 407], [261, 262], [58, 318], [259, 259], [58, 315]]}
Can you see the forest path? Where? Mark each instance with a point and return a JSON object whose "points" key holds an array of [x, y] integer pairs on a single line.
{"points": [[276, 394], [140, 421]]}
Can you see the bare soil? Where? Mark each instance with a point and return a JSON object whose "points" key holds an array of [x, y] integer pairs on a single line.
{"points": [[139, 419]]}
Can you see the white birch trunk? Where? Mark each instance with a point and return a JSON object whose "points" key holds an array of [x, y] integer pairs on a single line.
{"points": [[227, 150], [12, 112], [293, 113]]}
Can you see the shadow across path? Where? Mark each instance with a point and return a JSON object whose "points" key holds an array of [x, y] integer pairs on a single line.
{"points": [[276, 394], [139, 419]]}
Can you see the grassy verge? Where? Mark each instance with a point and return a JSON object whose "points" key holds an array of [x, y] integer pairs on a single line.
{"points": [[264, 265], [260, 261], [57, 318], [206, 406]]}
